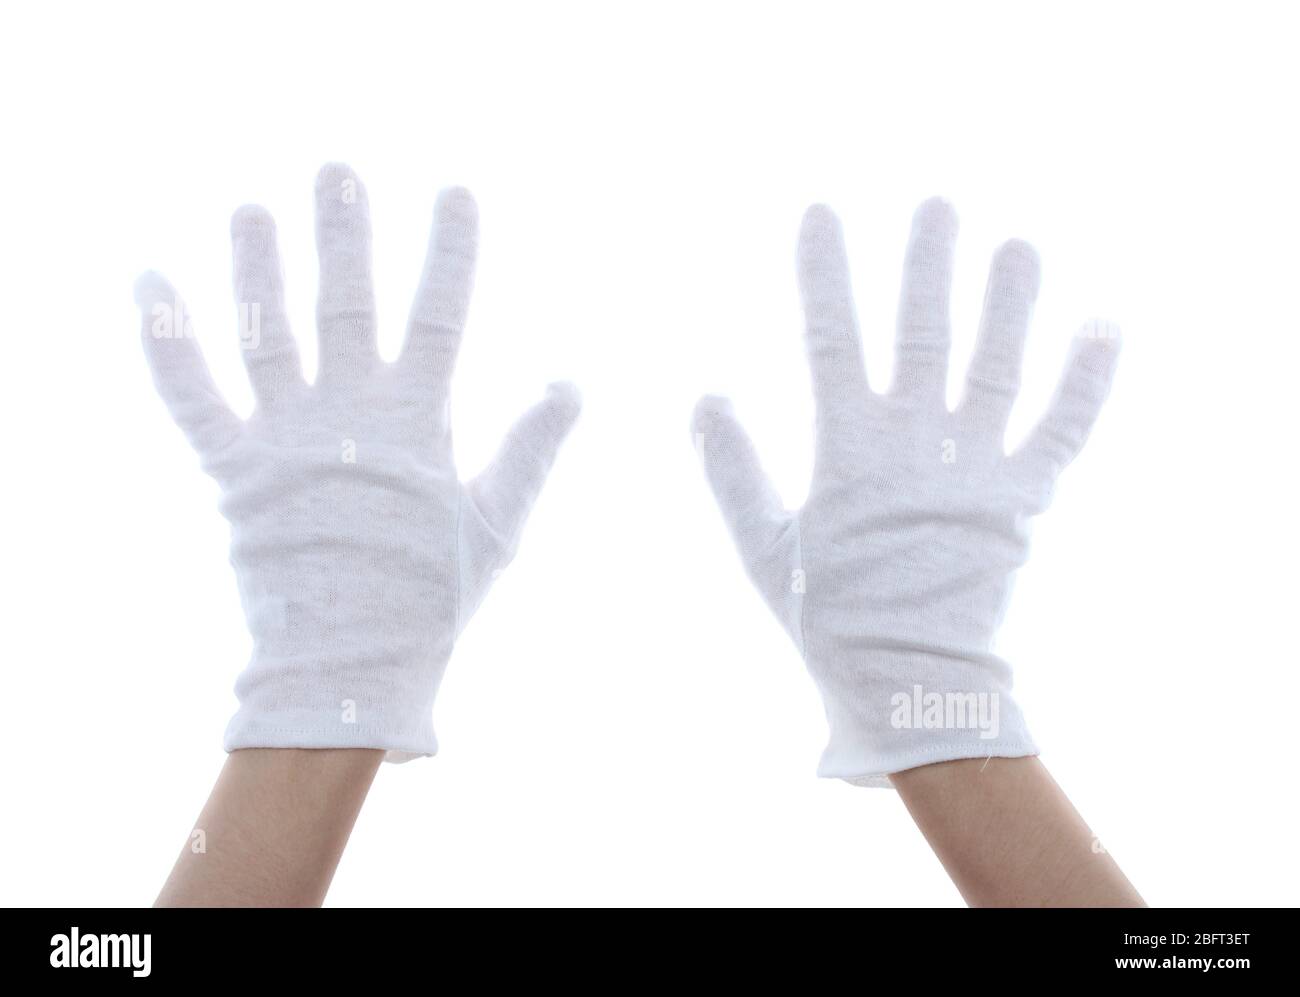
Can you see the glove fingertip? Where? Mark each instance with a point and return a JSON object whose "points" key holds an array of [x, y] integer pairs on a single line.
{"points": [[709, 409], [456, 205], [937, 213], [1017, 260], [565, 398], [248, 219], [1100, 337], [150, 288], [820, 220], [332, 175]]}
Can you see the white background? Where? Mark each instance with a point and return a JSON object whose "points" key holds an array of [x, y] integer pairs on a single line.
{"points": [[623, 722]]}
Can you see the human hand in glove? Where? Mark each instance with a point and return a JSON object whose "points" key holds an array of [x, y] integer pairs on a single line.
{"points": [[893, 577], [359, 553]]}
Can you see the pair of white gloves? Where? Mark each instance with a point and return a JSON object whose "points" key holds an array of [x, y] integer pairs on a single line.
{"points": [[360, 555]]}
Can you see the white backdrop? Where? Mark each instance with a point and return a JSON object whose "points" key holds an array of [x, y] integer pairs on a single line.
{"points": [[623, 722]]}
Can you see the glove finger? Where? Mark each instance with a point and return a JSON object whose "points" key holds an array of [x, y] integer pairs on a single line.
{"points": [[270, 353], [994, 376], [441, 304], [504, 492], [834, 352], [924, 333], [750, 504], [1064, 428], [179, 371], [345, 307]]}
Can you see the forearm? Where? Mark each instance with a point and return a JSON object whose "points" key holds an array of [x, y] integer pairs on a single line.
{"points": [[1009, 837], [273, 829]]}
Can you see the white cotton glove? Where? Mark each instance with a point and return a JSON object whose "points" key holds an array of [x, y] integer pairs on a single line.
{"points": [[359, 554], [893, 577]]}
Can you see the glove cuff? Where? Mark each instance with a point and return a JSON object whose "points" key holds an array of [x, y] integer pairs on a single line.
{"points": [[893, 710], [385, 704], [291, 728]]}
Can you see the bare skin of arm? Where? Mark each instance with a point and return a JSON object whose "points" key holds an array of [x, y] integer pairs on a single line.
{"points": [[274, 829], [1008, 836]]}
